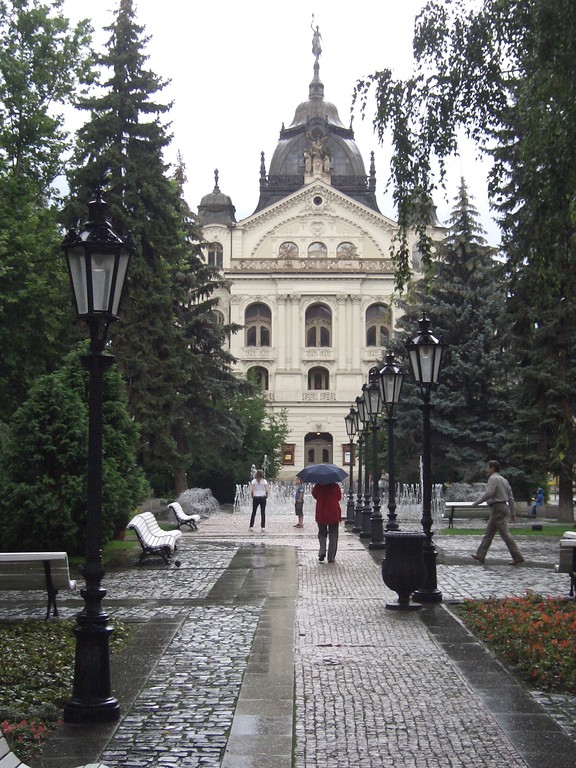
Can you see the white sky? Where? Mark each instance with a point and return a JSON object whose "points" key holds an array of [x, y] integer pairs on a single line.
{"points": [[238, 70]]}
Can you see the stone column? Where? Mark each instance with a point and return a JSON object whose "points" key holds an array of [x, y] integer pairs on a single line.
{"points": [[282, 330], [358, 332]]}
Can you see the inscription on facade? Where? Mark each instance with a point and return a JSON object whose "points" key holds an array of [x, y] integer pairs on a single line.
{"points": [[318, 396]]}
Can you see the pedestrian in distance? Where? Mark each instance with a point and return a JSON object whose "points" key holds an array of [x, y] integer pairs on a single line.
{"points": [[538, 502], [259, 492], [328, 516], [299, 503], [499, 497]]}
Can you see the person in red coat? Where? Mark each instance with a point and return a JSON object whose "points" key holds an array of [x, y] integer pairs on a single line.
{"points": [[328, 516]]}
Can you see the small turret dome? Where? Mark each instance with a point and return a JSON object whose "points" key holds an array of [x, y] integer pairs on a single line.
{"points": [[216, 207]]}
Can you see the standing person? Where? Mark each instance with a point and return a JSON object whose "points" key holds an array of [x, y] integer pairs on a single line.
{"points": [[259, 493], [498, 495], [328, 516], [538, 502], [299, 503]]}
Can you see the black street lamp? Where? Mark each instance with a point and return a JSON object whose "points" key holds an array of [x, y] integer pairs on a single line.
{"points": [[364, 424], [425, 353], [351, 421], [97, 263], [374, 402], [358, 516], [391, 380]]}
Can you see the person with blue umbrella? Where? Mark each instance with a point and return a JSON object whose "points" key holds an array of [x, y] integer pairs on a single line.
{"points": [[328, 516]]}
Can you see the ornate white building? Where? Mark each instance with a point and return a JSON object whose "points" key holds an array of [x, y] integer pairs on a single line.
{"points": [[311, 279]]}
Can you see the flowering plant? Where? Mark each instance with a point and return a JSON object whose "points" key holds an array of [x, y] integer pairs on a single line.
{"points": [[534, 635], [25, 736]]}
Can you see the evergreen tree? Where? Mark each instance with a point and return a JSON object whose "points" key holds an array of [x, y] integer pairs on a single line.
{"points": [[43, 474], [464, 296], [42, 63], [169, 344], [504, 72], [123, 145]]}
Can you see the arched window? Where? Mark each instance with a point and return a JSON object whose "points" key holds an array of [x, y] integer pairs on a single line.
{"points": [[216, 255], [259, 375], [218, 316], [288, 251], [318, 378], [417, 260], [318, 326], [346, 251], [317, 251], [377, 325], [258, 322]]}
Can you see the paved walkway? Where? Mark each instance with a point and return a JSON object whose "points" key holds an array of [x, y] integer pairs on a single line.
{"points": [[253, 653]]}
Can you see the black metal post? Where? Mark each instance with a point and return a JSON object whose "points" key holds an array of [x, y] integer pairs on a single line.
{"points": [[350, 517], [392, 524], [92, 699], [366, 532], [358, 511], [376, 521], [429, 592]]}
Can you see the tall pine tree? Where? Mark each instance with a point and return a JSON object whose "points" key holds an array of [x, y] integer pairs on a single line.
{"points": [[169, 343], [464, 295], [122, 148]]}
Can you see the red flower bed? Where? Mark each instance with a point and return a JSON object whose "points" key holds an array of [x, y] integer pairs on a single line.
{"points": [[534, 635]]}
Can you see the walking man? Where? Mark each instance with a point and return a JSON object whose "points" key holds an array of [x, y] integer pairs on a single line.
{"points": [[499, 497]]}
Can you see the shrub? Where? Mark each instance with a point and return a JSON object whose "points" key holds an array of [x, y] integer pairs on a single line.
{"points": [[43, 482]]}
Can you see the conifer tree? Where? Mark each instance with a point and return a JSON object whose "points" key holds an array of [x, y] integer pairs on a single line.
{"points": [[169, 342], [463, 294], [121, 146]]}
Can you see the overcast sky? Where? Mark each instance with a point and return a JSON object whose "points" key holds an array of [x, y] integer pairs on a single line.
{"points": [[238, 70]]}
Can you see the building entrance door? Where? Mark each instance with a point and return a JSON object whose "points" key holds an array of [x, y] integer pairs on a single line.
{"points": [[318, 448]]}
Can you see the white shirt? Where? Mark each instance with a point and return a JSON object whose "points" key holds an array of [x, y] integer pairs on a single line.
{"points": [[259, 488]]}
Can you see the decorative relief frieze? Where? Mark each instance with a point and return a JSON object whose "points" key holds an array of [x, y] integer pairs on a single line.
{"points": [[313, 353], [315, 265], [322, 396], [259, 353]]}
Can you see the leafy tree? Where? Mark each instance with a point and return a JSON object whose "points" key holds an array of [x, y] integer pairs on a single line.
{"points": [[463, 293], [42, 63], [503, 73], [224, 460], [44, 470]]}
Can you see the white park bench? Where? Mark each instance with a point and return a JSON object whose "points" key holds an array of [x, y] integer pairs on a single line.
{"points": [[47, 571], [153, 540], [182, 518], [567, 562]]}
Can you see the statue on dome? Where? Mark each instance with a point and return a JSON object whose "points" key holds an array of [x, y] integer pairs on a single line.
{"points": [[316, 37]]}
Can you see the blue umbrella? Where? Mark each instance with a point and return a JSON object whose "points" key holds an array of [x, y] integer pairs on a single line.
{"points": [[323, 474]]}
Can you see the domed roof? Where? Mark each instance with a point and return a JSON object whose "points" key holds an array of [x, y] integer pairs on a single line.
{"points": [[316, 145], [216, 208]]}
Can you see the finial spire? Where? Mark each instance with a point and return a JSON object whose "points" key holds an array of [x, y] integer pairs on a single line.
{"points": [[316, 87], [316, 45], [216, 188]]}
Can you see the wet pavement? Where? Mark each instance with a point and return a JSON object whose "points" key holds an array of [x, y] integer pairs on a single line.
{"points": [[253, 653]]}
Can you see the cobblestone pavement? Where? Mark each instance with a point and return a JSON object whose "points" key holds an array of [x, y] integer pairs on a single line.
{"points": [[372, 687]]}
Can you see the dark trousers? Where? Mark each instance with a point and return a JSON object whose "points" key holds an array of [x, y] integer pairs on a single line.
{"points": [[258, 501], [329, 532]]}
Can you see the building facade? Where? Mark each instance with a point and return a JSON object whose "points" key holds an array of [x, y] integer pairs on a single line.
{"points": [[310, 279]]}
